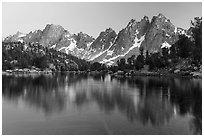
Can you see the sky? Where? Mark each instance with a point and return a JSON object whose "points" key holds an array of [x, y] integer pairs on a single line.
{"points": [[91, 18]]}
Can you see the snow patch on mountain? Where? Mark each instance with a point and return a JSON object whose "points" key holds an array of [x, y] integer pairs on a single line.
{"points": [[175, 30], [69, 48], [102, 47], [102, 52], [98, 55], [89, 44], [110, 60], [137, 44], [20, 40], [53, 46], [181, 32], [110, 52], [167, 35], [165, 45], [21, 35], [72, 45], [138, 41]]}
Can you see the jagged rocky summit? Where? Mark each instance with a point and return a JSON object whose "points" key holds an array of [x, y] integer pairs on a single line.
{"points": [[109, 46]]}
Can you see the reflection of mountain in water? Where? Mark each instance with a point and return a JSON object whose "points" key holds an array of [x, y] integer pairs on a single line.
{"points": [[149, 100]]}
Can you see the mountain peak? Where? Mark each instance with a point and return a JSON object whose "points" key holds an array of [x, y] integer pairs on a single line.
{"points": [[53, 26], [82, 34], [132, 22], [109, 30], [19, 34], [51, 34], [161, 15], [160, 19], [146, 18]]}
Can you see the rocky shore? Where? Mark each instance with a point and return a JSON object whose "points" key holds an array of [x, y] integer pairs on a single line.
{"points": [[157, 74], [129, 73]]}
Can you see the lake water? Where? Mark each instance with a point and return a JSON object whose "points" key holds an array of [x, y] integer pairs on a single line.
{"points": [[84, 104]]}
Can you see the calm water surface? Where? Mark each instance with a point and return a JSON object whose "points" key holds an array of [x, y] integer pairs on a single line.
{"points": [[82, 104]]}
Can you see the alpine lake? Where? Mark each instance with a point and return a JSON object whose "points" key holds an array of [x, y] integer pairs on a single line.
{"points": [[75, 104]]}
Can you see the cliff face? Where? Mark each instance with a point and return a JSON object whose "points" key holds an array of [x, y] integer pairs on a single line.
{"points": [[161, 31]]}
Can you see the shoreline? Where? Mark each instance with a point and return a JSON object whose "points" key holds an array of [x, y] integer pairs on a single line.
{"points": [[155, 74], [197, 75]]}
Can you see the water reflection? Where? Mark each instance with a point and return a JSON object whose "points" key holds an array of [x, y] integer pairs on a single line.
{"points": [[149, 100]]}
